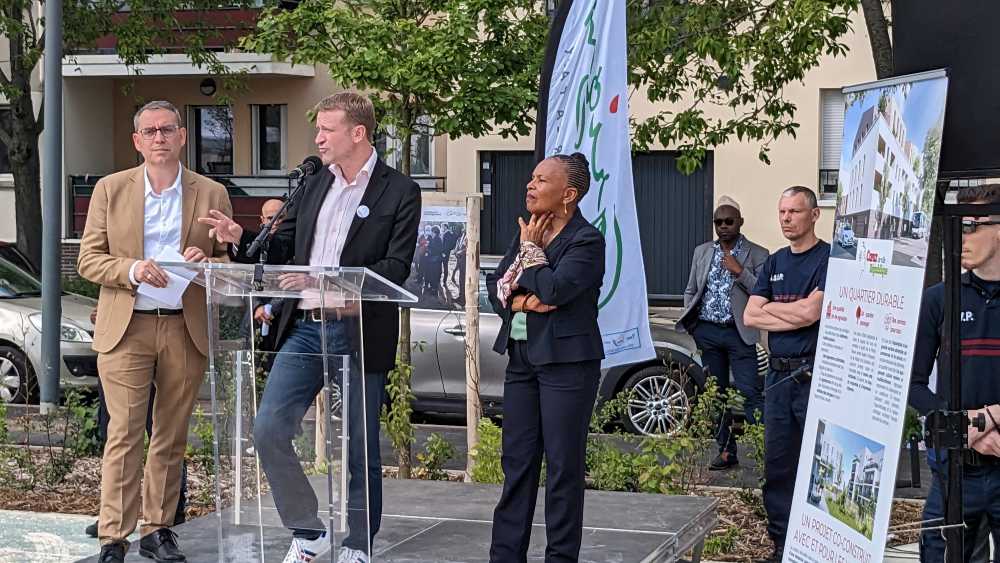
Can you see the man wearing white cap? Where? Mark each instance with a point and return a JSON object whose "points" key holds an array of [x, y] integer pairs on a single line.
{"points": [[723, 272]]}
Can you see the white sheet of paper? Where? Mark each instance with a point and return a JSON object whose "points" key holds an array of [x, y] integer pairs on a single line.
{"points": [[178, 280]]}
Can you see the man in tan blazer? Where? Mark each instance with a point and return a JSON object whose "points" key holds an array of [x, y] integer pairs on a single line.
{"points": [[133, 216]]}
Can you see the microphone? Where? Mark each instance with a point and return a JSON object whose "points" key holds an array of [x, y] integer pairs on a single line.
{"points": [[309, 166]]}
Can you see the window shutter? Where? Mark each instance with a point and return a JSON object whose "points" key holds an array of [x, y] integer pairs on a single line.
{"points": [[832, 128]]}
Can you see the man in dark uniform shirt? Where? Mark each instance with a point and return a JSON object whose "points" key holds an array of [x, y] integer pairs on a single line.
{"points": [[980, 335], [787, 302]]}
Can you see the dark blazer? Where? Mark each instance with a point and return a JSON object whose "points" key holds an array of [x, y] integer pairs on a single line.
{"points": [[752, 257], [572, 282], [383, 242]]}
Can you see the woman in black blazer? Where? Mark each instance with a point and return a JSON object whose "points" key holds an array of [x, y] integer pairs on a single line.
{"points": [[546, 291]]}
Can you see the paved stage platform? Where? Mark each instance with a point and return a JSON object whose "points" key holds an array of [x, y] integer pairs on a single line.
{"points": [[439, 522]]}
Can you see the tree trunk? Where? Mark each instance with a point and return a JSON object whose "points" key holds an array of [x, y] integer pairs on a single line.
{"points": [[28, 193], [878, 36], [24, 158], [470, 288], [405, 453]]}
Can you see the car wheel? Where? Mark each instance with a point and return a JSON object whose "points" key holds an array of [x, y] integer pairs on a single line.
{"points": [[17, 379], [659, 400]]}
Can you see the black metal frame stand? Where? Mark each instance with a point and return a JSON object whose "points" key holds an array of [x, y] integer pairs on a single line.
{"points": [[949, 429]]}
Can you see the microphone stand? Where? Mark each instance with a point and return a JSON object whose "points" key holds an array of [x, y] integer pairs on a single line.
{"points": [[263, 239]]}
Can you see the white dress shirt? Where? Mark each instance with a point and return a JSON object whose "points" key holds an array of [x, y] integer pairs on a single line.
{"points": [[334, 220], [162, 218]]}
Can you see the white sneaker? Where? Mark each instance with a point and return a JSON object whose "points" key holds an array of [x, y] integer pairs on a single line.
{"points": [[307, 551], [348, 555]]}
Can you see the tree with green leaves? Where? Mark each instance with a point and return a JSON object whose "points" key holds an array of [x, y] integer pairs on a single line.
{"points": [[148, 27], [719, 70], [432, 67], [436, 67]]}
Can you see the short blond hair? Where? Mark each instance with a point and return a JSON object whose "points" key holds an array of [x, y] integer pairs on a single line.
{"points": [[357, 107]]}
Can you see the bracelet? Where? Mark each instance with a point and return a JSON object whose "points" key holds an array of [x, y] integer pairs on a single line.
{"points": [[996, 428]]}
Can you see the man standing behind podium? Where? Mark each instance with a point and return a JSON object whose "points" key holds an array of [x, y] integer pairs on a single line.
{"points": [[134, 215], [356, 211]]}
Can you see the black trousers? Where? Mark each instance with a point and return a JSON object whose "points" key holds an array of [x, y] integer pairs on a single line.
{"points": [[546, 410], [786, 401]]}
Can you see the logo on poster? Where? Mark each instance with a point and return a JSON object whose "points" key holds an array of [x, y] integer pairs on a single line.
{"points": [[877, 264], [894, 325], [864, 318], [836, 312], [873, 260]]}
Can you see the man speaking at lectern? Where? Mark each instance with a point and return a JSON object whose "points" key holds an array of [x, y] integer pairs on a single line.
{"points": [[356, 211]]}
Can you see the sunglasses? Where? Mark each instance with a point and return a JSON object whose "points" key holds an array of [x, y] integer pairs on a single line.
{"points": [[728, 221], [969, 226]]}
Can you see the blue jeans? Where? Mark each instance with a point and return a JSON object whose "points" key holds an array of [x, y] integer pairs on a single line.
{"points": [[294, 381], [722, 350], [786, 400], [981, 503]]}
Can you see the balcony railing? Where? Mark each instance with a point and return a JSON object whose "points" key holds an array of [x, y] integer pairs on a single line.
{"points": [[225, 26], [247, 193]]}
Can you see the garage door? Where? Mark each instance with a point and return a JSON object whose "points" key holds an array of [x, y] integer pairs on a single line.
{"points": [[674, 210]]}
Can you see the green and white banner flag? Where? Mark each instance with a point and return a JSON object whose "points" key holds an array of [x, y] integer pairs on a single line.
{"points": [[588, 113]]}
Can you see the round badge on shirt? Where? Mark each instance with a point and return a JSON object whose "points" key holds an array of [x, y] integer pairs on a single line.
{"points": [[363, 211]]}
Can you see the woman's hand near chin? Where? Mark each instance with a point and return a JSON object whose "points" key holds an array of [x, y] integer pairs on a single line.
{"points": [[534, 230]]}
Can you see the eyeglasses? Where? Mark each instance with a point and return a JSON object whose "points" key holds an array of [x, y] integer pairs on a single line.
{"points": [[168, 131], [969, 226], [728, 221]]}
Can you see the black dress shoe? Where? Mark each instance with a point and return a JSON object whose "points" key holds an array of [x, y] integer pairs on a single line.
{"points": [[91, 530], [113, 552], [161, 546], [725, 460]]}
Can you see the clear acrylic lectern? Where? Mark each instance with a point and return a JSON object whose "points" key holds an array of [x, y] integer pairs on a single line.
{"points": [[272, 478]]}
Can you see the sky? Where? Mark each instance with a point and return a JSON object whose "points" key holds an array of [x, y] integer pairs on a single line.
{"points": [[852, 444]]}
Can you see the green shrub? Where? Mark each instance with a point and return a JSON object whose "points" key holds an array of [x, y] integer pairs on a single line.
{"points": [[609, 467], [396, 416], [486, 467], [202, 452], [437, 452], [80, 286], [82, 436]]}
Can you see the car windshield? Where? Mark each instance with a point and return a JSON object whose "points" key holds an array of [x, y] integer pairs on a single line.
{"points": [[15, 282]]}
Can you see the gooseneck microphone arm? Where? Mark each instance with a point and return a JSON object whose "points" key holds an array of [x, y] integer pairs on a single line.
{"points": [[309, 166]]}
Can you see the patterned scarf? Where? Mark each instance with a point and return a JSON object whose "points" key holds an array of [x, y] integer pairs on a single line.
{"points": [[529, 255]]}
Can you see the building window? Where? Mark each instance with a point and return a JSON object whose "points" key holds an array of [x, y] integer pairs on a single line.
{"points": [[270, 149], [421, 149], [211, 132], [831, 141]]}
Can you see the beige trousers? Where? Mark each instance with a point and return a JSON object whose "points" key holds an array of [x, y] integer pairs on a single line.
{"points": [[159, 351]]}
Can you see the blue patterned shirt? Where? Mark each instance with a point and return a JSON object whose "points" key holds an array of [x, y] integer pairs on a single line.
{"points": [[716, 304]]}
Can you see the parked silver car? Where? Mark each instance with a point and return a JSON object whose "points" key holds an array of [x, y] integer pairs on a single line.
{"points": [[21, 337], [663, 389]]}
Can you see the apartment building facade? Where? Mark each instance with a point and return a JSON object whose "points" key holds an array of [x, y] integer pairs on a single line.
{"points": [[251, 143]]}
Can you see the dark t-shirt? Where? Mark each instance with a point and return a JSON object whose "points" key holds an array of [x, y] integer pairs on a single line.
{"points": [[785, 278], [980, 321]]}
